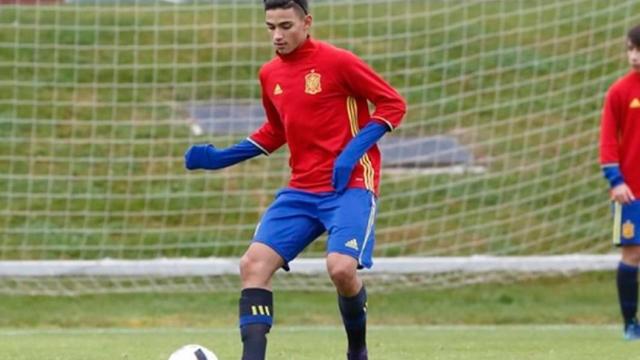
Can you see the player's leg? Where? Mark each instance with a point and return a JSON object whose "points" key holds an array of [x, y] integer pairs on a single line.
{"points": [[342, 270], [349, 247], [625, 218], [352, 302], [286, 228], [627, 283], [257, 266]]}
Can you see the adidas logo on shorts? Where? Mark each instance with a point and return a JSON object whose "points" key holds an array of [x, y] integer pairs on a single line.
{"points": [[352, 244]]}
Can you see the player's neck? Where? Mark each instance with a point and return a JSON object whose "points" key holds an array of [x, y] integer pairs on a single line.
{"points": [[633, 74], [305, 48]]}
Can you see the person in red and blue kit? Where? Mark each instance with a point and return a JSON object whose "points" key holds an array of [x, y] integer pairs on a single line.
{"points": [[620, 161], [316, 101]]}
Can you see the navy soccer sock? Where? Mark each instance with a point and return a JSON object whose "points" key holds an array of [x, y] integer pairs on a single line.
{"points": [[627, 280], [354, 316], [256, 318]]}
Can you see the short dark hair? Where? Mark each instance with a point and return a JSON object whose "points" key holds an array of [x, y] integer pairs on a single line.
{"points": [[634, 36], [300, 5]]}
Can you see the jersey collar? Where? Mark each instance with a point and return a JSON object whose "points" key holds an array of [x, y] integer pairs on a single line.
{"points": [[308, 47]]}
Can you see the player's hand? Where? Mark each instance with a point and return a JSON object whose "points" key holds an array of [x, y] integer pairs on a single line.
{"points": [[200, 157], [622, 194], [342, 170]]}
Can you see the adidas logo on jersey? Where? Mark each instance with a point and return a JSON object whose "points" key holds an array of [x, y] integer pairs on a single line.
{"points": [[635, 103], [352, 244], [277, 90]]}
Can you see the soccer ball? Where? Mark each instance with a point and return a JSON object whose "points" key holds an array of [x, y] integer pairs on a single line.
{"points": [[193, 352]]}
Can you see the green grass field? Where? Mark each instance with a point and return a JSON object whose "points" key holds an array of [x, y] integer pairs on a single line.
{"points": [[549, 342], [550, 318]]}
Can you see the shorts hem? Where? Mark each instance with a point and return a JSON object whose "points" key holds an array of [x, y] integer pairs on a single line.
{"points": [[623, 244], [360, 265]]}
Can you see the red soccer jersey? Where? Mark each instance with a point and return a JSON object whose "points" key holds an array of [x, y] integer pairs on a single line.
{"points": [[620, 129], [315, 99]]}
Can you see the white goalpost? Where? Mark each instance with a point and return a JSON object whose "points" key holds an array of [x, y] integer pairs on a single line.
{"points": [[493, 175]]}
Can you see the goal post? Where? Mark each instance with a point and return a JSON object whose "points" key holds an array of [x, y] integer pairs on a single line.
{"points": [[496, 159], [74, 277]]}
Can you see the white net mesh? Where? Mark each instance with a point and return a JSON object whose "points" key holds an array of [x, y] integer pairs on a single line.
{"points": [[100, 99]]}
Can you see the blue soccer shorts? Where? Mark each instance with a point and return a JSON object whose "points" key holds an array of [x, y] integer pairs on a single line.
{"points": [[625, 219], [296, 218]]}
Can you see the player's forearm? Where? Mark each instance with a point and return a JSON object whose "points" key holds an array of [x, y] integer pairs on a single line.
{"points": [[354, 150], [609, 132], [390, 110], [210, 158], [609, 143], [239, 152], [268, 137], [609, 159], [390, 106], [365, 139]]}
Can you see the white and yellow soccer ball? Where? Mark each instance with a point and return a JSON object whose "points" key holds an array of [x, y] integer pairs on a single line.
{"points": [[193, 352]]}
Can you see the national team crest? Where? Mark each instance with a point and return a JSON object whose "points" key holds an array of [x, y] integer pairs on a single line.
{"points": [[628, 230], [312, 83]]}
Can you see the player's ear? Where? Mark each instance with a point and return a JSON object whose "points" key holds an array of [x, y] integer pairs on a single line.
{"points": [[308, 20]]}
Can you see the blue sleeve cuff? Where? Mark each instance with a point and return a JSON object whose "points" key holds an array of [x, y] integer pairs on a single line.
{"points": [[239, 152], [208, 157], [612, 174]]}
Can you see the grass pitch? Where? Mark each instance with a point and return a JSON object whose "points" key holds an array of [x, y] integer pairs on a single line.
{"points": [[486, 321], [327, 342]]}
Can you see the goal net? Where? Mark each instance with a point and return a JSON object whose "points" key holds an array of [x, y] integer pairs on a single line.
{"points": [[492, 175]]}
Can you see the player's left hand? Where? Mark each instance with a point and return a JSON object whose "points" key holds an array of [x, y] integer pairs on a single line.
{"points": [[342, 170], [199, 157]]}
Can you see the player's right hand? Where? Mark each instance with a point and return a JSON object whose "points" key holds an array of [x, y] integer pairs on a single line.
{"points": [[199, 157], [622, 194]]}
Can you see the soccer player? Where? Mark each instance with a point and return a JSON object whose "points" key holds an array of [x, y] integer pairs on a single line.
{"points": [[620, 161], [316, 101]]}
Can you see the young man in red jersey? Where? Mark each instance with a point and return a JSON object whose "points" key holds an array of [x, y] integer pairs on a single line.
{"points": [[316, 100], [620, 161]]}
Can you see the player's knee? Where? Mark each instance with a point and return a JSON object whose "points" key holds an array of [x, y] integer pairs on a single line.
{"points": [[251, 267], [341, 272]]}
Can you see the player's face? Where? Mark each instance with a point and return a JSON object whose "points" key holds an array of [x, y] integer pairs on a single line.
{"points": [[633, 55], [288, 28]]}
